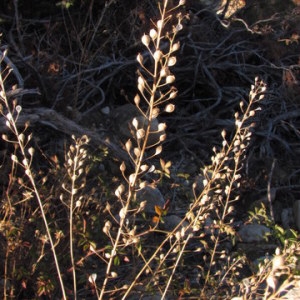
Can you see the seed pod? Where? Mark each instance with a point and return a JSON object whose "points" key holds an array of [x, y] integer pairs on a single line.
{"points": [[146, 40], [153, 34]]}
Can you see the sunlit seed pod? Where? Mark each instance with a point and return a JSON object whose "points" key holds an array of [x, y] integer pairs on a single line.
{"points": [[162, 137], [141, 81], [143, 205], [107, 227], [152, 169], [238, 123], [25, 162], [128, 145], [173, 94], [132, 179], [153, 34], [158, 150], [122, 213], [137, 152], [119, 191], [114, 274], [144, 168], [157, 55], [92, 249], [139, 58], [162, 126], [74, 191], [135, 123], [160, 24], [170, 108], [140, 133], [141, 88], [137, 99], [164, 72], [122, 167], [175, 47], [178, 27], [223, 134], [230, 209], [14, 158], [92, 278], [172, 61], [237, 143], [146, 40], [155, 113], [107, 206], [181, 2], [9, 116], [252, 113], [170, 79]]}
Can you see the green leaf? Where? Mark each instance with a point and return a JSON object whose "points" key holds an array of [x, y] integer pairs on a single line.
{"points": [[116, 261]]}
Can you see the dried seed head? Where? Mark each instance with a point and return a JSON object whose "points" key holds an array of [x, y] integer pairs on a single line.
{"points": [[146, 40], [140, 133], [155, 113], [18, 108], [31, 151], [123, 167], [223, 134], [92, 278], [141, 88], [153, 34], [137, 152], [132, 178], [119, 191], [157, 55], [175, 47], [170, 108], [144, 168], [137, 99], [160, 24], [173, 94], [170, 79], [178, 27], [172, 61], [128, 145], [158, 150], [122, 213], [135, 123], [162, 126], [141, 81], [164, 72], [162, 137]]}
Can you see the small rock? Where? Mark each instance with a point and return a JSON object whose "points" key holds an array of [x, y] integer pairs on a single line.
{"points": [[253, 233], [152, 196], [171, 222]]}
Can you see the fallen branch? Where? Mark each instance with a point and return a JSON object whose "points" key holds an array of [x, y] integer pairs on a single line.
{"points": [[49, 117]]}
